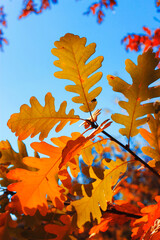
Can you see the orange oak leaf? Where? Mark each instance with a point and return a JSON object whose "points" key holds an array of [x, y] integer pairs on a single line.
{"points": [[5, 223], [101, 227], [62, 231], [37, 119], [53, 152], [34, 186], [86, 150], [10, 159], [147, 227], [74, 147], [74, 162], [4, 218], [14, 206], [110, 219]]}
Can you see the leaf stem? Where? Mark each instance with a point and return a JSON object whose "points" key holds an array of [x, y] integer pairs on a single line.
{"points": [[126, 147]]}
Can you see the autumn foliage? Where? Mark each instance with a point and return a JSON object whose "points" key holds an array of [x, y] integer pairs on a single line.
{"points": [[133, 42], [88, 185], [3, 24], [143, 41]]}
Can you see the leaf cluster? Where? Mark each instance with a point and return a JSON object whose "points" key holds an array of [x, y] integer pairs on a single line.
{"points": [[89, 184]]}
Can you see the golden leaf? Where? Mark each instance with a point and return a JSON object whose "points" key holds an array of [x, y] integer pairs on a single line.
{"points": [[73, 54], [37, 119], [153, 138], [102, 192], [139, 91]]}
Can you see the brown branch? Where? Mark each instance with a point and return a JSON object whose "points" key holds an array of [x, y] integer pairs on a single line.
{"points": [[112, 210], [115, 211], [126, 147]]}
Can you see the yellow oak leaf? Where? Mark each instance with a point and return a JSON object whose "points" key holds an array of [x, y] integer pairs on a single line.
{"points": [[73, 54], [153, 138], [136, 93], [37, 119], [102, 192]]}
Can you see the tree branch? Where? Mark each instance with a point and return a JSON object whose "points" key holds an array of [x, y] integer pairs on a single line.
{"points": [[115, 211], [112, 210], [126, 147]]}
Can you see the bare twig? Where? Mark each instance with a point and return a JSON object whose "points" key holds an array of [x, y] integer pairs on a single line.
{"points": [[126, 147]]}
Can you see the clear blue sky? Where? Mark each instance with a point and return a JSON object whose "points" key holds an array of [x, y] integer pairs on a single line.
{"points": [[26, 65]]}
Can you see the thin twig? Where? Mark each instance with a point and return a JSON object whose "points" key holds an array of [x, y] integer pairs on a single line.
{"points": [[126, 147], [114, 211], [127, 214]]}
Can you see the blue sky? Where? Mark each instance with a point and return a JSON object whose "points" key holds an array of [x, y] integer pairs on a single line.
{"points": [[27, 63]]}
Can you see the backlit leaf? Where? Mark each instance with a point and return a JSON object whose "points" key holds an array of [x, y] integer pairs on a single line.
{"points": [[111, 219], [146, 228], [33, 187], [153, 138], [10, 157], [102, 192], [139, 91], [74, 147], [37, 119], [73, 54], [86, 150]]}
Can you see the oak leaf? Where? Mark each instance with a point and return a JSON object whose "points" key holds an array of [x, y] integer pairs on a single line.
{"points": [[10, 159], [102, 192], [112, 217], [5, 223], [74, 147], [153, 138], [86, 150], [53, 152], [147, 227], [73, 163], [45, 178], [73, 54], [37, 119], [61, 231], [33, 187], [9, 156], [139, 91], [14, 206]]}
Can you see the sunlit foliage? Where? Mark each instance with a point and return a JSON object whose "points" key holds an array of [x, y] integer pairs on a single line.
{"points": [[88, 185]]}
